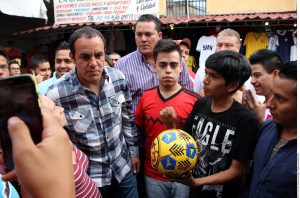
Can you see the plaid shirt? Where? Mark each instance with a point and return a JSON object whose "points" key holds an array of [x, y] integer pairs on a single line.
{"points": [[101, 126]]}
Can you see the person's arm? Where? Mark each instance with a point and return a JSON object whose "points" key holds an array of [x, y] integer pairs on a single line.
{"points": [[184, 78], [129, 129], [40, 167], [233, 172]]}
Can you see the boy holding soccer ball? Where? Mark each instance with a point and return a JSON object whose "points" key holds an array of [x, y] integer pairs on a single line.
{"points": [[224, 130], [169, 93]]}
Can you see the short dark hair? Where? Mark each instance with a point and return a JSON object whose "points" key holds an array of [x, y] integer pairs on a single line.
{"points": [[166, 45], [233, 66], [87, 32], [289, 70], [4, 54], [150, 18], [36, 60], [64, 45], [13, 62], [268, 59]]}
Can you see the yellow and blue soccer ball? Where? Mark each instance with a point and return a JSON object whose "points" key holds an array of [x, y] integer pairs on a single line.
{"points": [[174, 152]]}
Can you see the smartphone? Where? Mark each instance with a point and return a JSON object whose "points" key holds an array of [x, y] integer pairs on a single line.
{"points": [[18, 97]]}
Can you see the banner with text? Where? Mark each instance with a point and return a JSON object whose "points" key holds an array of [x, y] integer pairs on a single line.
{"points": [[81, 11]]}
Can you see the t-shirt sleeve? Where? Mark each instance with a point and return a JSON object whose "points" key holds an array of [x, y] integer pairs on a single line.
{"points": [[246, 39], [198, 47], [245, 138]]}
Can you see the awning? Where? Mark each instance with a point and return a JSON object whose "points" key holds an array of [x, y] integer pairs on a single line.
{"points": [[181, 20]]}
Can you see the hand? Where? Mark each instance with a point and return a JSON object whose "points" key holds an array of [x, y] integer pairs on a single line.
{"points": [[39, 78], [168, 116], [186, 179], [135, 164], [38, 165], [256, 107]]}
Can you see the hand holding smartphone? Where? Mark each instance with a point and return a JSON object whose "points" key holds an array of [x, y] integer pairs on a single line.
{"points": [[18, 97]]}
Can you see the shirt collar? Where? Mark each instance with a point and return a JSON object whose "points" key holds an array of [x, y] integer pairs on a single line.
{"points": [[75, 84], [143, 59]]}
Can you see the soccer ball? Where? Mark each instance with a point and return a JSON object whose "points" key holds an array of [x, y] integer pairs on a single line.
{"points": [[173, 152]]}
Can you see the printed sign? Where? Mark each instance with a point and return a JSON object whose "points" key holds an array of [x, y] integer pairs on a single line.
{"points": [[82, 11]]}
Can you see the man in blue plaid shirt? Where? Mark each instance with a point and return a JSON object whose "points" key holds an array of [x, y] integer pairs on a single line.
{"points": [[98, 108]]}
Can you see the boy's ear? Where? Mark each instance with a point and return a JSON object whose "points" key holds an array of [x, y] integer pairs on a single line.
{"points": [[275, 73], [71, 56], [233, 86]]}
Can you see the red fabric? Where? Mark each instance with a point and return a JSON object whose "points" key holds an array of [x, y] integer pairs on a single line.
{"points": [[84, 185], [147, 117]]}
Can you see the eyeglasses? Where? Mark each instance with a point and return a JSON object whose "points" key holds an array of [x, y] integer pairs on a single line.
{"points": [[3, 67], [15, 69]]}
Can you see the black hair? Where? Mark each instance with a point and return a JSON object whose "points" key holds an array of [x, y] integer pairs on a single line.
{"points": [[233, 66], [289, 70], [4, 54], [150, 18], [36, 60], [268, 59], [64, 45], [87, 32], [166, 45]]}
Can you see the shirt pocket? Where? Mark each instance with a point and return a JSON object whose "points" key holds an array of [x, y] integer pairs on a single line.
{"points": [[116, 101], [81, 119]]}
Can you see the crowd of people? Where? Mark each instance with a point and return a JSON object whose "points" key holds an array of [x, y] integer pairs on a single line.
{"points": [[101, 113]]}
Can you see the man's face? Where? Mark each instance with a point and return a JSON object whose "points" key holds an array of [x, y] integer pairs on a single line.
{"points": [[214, 84], [63, 62], [228, 43], [283, 102], [44, 70], [185, 51], [4, 72], [14, 69], [89, 59], [261, 80], [146, 37], [114, 58], [168, 67]]}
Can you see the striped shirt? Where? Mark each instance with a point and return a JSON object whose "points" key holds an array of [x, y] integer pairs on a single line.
{"points": [[84, 185], [101, 126], [140, 75]]}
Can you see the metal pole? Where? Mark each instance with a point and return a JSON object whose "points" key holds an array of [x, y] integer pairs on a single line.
{"points": [[187, 10]]}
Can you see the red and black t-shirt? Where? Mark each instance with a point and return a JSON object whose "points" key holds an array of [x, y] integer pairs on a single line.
{"points": [[147, 117]]}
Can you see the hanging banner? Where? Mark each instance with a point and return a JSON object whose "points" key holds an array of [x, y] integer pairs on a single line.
{"points": [[24, 8], [82, 11]]}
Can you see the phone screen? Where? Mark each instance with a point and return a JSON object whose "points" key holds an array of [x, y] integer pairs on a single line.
{"points": [[18, 97]]}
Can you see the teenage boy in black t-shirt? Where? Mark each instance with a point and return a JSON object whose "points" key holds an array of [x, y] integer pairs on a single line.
{"points": [[223, 129]]}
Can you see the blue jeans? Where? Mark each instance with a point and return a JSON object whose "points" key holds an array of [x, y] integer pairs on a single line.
{"points": [[127, 188], [161, 189]]}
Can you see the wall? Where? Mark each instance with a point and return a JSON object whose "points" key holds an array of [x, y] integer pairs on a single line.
{"points": [[249, 6], [162, 7]]}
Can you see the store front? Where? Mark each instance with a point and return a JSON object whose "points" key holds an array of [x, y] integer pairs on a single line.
{"points": [[120, 36]]}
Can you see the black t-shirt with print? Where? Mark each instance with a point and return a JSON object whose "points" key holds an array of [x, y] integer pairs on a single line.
{"points": [[221, 137]]}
